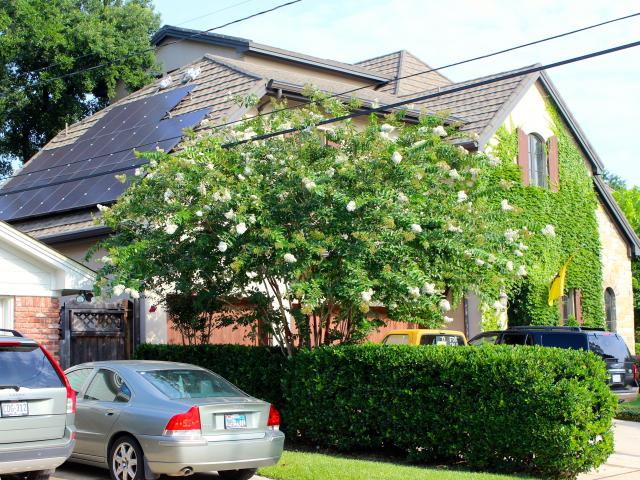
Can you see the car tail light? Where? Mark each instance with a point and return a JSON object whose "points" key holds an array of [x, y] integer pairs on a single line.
{"points": [[71, 395], [635, 371], [187, 423], [274, 418]]}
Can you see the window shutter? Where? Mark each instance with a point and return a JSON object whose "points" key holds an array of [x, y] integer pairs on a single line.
{"points": [[554, 166], [578, 300], [523, 155]]}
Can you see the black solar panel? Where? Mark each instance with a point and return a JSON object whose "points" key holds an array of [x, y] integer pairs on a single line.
{"points": [[82, 174]]}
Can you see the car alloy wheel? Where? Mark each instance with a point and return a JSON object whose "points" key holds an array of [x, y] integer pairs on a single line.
{"points": [[126, 460]]}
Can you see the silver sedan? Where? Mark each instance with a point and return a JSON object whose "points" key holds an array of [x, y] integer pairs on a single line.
{"points": [[141, 419]]}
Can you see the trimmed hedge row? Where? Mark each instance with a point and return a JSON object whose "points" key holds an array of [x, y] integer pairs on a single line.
{"points": [[523, 409], [630, 412]]}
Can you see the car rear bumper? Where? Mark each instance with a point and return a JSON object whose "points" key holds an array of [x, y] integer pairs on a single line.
{"points": [[171, 456], [32, 456], [626, 395]]}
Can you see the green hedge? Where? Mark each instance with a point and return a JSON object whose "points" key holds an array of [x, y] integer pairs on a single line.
{"points": [[534, 409], [628, 411], [256, 370], [524, 409]]}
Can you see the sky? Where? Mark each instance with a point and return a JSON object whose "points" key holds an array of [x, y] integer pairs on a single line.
{"points": [[602, 93]]}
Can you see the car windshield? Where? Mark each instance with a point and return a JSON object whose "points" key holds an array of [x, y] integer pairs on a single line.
{"points": [[26, 366], [608, 346], [187, 383], [488, 339]]}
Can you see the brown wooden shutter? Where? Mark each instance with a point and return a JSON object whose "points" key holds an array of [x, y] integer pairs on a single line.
{"points": [[554, 166], [578, 300], [523, 155]]}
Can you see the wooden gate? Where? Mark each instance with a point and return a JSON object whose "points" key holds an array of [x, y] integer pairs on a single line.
{"points": [[95, 332]]}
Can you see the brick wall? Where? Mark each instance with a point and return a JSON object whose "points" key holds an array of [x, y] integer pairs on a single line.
{"points": [[616, 272], [38, 318]]}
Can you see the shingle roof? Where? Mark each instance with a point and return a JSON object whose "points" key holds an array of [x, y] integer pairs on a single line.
{"points": [[404, 64], [480, 106]]}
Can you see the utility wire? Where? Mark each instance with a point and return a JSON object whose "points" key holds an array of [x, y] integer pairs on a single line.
{"points": [[335, 95], [368, 111], [139, 52]]}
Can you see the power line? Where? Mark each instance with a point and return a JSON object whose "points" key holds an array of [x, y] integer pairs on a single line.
{"points": [[368, 111], [132, 54], [455, 64], [200, 17], [335, 95]]}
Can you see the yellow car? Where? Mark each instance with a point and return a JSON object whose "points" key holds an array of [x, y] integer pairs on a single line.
{"points": [[421, 336]]}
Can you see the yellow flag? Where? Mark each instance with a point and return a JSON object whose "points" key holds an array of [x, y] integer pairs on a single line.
{"points": [[556, 289]]}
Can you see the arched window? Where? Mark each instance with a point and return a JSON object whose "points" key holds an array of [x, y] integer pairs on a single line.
{"points": [[538, 165], [610, 309]]}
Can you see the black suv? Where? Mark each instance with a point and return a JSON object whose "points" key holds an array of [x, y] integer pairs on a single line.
{"points": [[623, 371]]}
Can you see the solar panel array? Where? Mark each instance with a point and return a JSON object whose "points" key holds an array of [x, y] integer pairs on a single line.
{"points": [[81, 174]]}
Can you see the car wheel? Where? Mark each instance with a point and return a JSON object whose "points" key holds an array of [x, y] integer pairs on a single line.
{"points": [[126, 460], [244, 474]]}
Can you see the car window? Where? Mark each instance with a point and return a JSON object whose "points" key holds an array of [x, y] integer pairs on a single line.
{"points": [[397, 339], [609, 346], [78, 377], [488, 339], [108, 386], [185, 383], [441, 339], [27, 366], [564, 340], [517, 339]]}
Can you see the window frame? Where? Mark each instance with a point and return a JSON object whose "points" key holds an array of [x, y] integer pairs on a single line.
{"points": [[7, 313], [93, 378], [610, 309], [537, 178]]}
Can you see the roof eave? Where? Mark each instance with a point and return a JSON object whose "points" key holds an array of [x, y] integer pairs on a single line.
{"points": [[616, 213], [345, 69], [567, 116], [169, 31]]}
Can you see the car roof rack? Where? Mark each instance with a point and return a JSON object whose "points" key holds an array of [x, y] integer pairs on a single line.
{"points": [[547, 327], [15, 333]]}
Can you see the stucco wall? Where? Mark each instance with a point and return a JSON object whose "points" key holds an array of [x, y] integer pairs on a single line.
{"points": [[616, 272]]}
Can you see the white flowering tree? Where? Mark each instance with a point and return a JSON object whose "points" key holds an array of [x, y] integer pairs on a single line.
{"points": [[319, 226]]}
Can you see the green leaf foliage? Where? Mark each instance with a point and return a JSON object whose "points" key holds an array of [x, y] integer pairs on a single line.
{"points": [[324, 223], [530, 409], [69, 35], [572, 212]]}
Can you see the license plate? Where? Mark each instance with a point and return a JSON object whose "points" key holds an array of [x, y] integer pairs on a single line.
{"points": [[15, 409], [616, 378], [234, 421]]}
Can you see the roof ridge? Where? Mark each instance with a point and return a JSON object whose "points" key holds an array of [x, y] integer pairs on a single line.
{"points": [[229, 63], [379, 56]]}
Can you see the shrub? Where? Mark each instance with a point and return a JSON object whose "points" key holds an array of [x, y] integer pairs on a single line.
{"points": [[629, 412], [534, 409], [256, 370]]}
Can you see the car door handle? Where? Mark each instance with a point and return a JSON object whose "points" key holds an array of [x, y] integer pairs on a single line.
{"points": [[109, 413]]}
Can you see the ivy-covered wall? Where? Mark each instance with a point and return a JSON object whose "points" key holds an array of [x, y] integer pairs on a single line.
{"points": [[572, 212]]}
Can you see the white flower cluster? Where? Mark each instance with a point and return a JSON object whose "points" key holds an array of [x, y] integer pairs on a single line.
{"points": [[367, 295], [396, 157], [308, 184], [120, 289], [549, 230], [290, 258], [439, 131], [462, 196], [504, 204], [351, 206]]}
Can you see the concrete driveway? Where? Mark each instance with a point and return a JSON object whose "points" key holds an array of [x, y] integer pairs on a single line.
{"points": [[624, 464], [74, 471]]}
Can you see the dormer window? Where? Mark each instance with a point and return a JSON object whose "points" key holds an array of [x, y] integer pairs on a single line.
{"points": [[538, 164]]}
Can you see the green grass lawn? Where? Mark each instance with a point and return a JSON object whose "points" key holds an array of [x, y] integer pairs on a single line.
{"points": [[316, 466]]}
